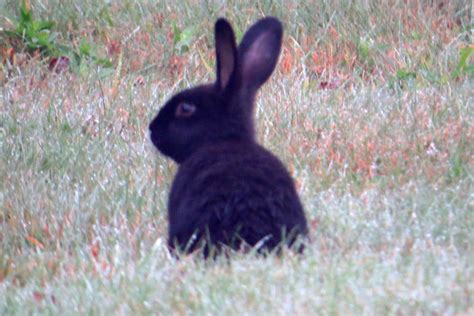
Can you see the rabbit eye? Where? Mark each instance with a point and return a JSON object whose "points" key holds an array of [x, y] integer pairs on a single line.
{"points": [[185, 109]]}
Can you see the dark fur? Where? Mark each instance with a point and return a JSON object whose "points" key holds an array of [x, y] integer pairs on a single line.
{"points": [[228, 188]]}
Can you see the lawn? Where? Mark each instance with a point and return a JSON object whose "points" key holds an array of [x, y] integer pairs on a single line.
{"points": [[371, 108]]}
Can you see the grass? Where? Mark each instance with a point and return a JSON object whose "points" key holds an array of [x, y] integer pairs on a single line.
{"points": [[371, 108]]}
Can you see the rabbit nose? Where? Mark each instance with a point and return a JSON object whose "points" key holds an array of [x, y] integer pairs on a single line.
{"points": [[154, 138], [152, 130], [153, 127]]}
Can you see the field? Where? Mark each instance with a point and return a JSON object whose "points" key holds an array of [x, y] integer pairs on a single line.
{"points": [[371, 108]]}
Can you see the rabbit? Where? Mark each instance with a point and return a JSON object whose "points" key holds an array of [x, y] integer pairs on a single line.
{"points": [[229, 192]]}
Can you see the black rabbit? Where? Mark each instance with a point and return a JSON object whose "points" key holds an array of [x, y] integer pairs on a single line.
{"points": [[228, 191]]}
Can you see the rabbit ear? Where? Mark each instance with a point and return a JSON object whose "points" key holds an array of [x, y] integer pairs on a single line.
{"points": [[226, 52], [259, 51]]}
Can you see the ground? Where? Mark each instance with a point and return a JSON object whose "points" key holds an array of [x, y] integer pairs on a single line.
{"points": [[371, 109]]}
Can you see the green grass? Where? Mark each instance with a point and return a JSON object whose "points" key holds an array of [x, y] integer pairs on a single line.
{"points": [[371, 109]]}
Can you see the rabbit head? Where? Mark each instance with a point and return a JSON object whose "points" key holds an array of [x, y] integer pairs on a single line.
{"points": [[222, 110]]}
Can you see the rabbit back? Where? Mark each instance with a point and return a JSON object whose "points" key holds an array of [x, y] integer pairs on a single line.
{"points": [[233, 192]]}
